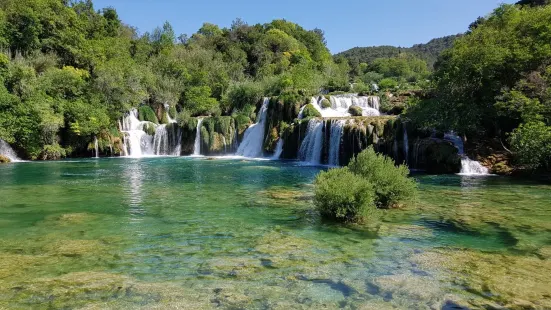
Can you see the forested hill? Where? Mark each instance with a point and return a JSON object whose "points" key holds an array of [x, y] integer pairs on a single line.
{"points": [[428, 51]]}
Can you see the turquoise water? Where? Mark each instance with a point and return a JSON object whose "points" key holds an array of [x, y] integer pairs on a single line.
{"points": [[201, 233]]}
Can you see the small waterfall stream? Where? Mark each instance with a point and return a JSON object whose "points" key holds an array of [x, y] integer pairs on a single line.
{"points": [[335, 142], [468, 166], [311, 148], [253, 140], [197, 145], [6, 150], [279, 149], [96, 147], [136, 142], [406, 144]]}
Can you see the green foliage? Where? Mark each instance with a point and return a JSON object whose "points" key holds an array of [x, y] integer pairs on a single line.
{"points": [[497, 76], [392, 184], [388, 84], [343, 196], [355, 111], [310, 111], [53, 152], [146, 113], [531, 143]]}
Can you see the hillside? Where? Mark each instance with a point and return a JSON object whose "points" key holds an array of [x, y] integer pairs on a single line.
{"points": [[428, 51]]}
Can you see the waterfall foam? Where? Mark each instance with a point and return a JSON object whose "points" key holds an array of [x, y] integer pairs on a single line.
{"points": [[96, 146], [311, 147], [468, 166], [335, 142], [136, 142], [253, 140], [279, 149], [197, 145], [6, 150]]}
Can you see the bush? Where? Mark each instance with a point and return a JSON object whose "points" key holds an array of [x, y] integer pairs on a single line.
{"points": [[388, 84], [343, 196], [392, 184], [355, 111], [310, 111], [146, 113], [325, 103], [4, 159], [53, 152], [531, 144]]}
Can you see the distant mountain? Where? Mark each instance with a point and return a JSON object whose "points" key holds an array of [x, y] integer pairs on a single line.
{"points": [[428, 51]]}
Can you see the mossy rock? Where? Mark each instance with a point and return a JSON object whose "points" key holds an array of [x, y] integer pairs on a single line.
{"points": [[325, 103], [4, 159], [310, 111], [355, 111], [150, 129], [146, 113], [172, 112]]}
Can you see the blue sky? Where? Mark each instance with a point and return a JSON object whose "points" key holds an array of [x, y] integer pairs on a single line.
{"points": [[346, 24]]}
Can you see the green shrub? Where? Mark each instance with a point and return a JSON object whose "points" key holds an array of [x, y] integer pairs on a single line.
{"points": [[4, 159], [388, 84], [343, 196], [392, 184], [325, 103], [172, 111], [355, 111], [53, 152], [146, 113], [149, 129], [531, 144], [310, 111]]}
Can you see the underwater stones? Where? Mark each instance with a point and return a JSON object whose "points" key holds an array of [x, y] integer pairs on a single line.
{"points": [[509, 280], [74, 218], [410, 287], [74, 248], [286, 196]]}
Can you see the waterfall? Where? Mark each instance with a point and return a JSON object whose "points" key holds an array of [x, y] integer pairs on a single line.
{"points": [[468, 166], [253, 141], [197, 145], [6, 150], [279, 149], [310, 150], [335, 142], [96, 146], [406, 144], [170, 119], [160, 141], [136, 142]]}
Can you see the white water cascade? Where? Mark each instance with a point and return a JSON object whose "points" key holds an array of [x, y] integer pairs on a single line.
{"points": [[253, 140], [6, 150], [468, 166], [370, 105], [197, 145], [96, 146], [335, 142], [136, 142], [311, 147], [279, 149]]}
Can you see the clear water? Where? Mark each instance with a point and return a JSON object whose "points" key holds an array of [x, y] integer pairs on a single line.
{"points": [[198, 233]]}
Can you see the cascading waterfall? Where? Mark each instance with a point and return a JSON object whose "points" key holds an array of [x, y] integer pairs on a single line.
{"points": [[136, 142], [311, 147], [197, 145], [370, 104], [96, 146], [335, 142], [468, 166], [279, 149], [6, 150], [253, 140], [160, 141]]}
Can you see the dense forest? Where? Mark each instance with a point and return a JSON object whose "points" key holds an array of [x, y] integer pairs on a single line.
{"points": [[69, 72]]}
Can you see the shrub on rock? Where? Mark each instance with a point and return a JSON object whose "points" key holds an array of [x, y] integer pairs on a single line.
{"points": [[310, 111], [355, 111]]}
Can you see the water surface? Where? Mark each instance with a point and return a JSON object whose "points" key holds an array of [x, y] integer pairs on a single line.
{"points": [[199, 233]]}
